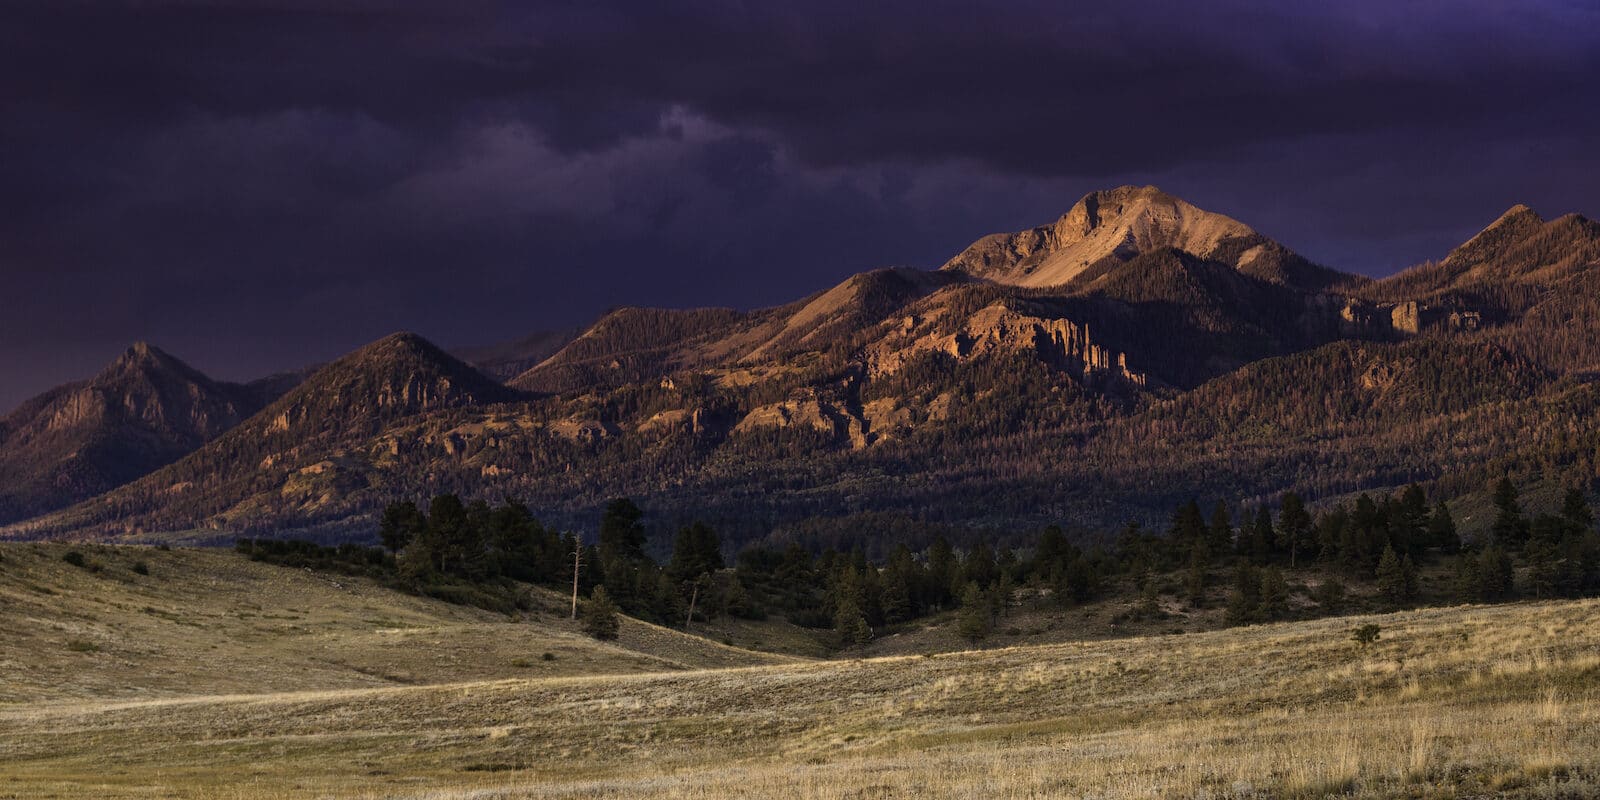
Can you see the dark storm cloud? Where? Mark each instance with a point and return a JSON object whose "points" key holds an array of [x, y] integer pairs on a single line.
{"points": [[260, 183]]}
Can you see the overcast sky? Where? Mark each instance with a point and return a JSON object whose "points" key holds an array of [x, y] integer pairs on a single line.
{"points": [[254, 185]]}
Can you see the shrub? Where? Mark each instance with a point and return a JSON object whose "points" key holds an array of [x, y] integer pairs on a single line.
{"points": [[75, 558], [548, 657], [1366, 634], [81, 646], [141, 568]]}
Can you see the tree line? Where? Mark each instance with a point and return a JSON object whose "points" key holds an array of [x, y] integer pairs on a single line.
{"points": [[479, 554]]}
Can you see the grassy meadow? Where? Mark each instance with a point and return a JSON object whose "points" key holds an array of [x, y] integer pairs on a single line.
{"points": [[368, 693]]}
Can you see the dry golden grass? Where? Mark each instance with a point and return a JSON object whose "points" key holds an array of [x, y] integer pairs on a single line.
{"points": [[1458, 702], [213, 622]]}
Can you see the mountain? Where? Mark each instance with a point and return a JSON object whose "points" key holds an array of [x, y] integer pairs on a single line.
{"points": [[1108, 227], [144, 410], [296, 447], [1531, 285], [901, 403], [1518, 249]]}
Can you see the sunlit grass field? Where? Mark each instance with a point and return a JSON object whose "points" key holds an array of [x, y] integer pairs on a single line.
{"points": [[1454, 702]]}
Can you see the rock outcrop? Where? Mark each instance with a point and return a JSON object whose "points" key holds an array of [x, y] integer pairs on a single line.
{"points": [[1000, 327]]}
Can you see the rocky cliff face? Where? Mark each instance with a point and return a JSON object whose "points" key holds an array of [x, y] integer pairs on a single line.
{"points": [[998, 328]]}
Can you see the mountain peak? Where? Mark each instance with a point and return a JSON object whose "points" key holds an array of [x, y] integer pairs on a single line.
{"points": [[1515, 225], [142, 353], [1116, 225], [143, 361]]}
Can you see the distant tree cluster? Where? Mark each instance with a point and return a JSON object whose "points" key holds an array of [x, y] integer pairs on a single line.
{"points": [[477, 553]]}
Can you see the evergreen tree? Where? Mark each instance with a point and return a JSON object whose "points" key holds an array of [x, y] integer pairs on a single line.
{"points": [[1469, 578], [1330, 527], [401, 523], [1274, 595], [979, 566], [696, 551], [1220, 531], [1575, 509], [1407, 522], [848, 602], [1495, 571], [600, 615], [1294, 527], [1188, 526], [631, 578], [1262, 537], [1053, 550], [1544, 567], [1392, 583], [897, 596], [622, 536], [861, 632], [1244, 602], [973, 620], [1510, 528], [1442, 530]]}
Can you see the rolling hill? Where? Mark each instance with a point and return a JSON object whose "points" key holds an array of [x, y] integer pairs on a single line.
{"points": [[215, 676]]}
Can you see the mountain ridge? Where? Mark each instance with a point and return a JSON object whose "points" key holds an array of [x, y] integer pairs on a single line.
{"points": [[944, 396]]}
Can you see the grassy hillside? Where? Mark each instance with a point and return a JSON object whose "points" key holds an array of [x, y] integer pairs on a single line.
{"points": [[213, 622], [1454, 702]]}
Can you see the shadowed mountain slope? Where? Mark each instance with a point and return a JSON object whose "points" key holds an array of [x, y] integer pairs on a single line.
{"points": [[144, 410]]}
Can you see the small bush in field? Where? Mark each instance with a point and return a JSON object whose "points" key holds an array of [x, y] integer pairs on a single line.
{"points": [[1366, 634], [75, 558], [141, 568]]}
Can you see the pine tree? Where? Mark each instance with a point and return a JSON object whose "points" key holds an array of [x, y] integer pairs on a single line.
{"points": [[696, 551], [1262, 537], [973, 621], [896, 596], [1544, 568], [1495, 571], [861, 632], [1575, 509], [1274, 594], [1188, 525], [622, 536], [401, 523], [1244, 602], [1469, 579], [1391, 577], [1220, 531], [1442, 530], [1510, 528], [1294, 526], [600, 615]]}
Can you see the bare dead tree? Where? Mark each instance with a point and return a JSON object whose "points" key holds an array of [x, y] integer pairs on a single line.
{"points": [[577, 566]]}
